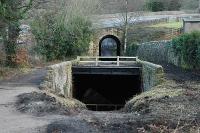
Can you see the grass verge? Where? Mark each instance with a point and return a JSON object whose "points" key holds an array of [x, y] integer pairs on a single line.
{"points": [[173, 25], [7, 72]]}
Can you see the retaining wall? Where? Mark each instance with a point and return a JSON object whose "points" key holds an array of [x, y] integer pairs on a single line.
{"points": [[152, 75], [59, 79], [158, 51]]}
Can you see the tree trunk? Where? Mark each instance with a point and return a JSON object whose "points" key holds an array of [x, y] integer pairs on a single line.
{"points": [[199, 6], [126, 27], [10, 43]]}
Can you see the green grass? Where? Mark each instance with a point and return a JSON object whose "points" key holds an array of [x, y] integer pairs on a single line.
{"points": [[168, 25]]}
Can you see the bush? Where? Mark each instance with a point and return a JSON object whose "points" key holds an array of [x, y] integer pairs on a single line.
{"points": [[132, 50], [58, 38], [187, 46], [155, 6], [189, 4], [21, 58], [163, 5]]}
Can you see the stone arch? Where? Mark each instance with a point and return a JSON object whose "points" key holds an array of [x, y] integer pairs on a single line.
{"points": [[116, 39], [101, 33]]}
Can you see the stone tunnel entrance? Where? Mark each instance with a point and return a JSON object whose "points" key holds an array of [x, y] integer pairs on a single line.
{"points": [[104, 90], [109, 45]]}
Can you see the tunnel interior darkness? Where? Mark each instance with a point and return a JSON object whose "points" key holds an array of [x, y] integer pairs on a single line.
{"points": [[103, 90]]}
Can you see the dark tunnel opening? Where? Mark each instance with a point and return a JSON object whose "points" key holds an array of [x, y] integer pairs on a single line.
{"points": [[105, 92]]}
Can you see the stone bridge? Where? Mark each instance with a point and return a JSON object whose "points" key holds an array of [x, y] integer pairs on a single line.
{"points": [[100, 35]]}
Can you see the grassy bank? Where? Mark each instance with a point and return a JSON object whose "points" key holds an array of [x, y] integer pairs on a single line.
{"points": [[172, 24]]}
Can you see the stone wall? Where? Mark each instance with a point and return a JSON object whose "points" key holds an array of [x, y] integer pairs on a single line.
{"points": [[152, 75], [59, 79], [157, 52], [99, 34]]}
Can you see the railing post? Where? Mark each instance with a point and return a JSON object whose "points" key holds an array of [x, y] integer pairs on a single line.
{"points": [[96, 61], [78, 60], [136, 58], [117, 60]]}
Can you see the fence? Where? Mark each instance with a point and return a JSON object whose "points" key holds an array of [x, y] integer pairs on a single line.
{"points": [[106, 60]]}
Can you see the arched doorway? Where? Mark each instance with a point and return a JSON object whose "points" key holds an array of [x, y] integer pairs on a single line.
{"points": [[109, 46]]}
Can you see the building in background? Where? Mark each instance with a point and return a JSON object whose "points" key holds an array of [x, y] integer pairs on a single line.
{"points": [[190, 25]]}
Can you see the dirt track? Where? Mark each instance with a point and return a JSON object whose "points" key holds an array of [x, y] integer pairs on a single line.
{"points": [[13, 121]]}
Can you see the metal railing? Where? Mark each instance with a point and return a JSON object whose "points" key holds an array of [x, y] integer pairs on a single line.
{"points": [[106, 60]]}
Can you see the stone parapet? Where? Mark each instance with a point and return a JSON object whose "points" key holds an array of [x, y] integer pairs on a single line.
{"points": [[59, 79]]}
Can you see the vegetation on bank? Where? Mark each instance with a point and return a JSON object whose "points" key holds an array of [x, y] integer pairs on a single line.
{"points": [[11, 13], [60, 32], [173, 24], [165, 90], [132, 49], [171, 5], [155, 32], [58, 39], [187, 47], [163, 5], [8, 72]]}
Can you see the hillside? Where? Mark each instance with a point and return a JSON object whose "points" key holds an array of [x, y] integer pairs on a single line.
{"points": [[103, 7]]}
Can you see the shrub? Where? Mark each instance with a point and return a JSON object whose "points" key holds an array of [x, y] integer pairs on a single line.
{"points": [[132, 50], [21, 58], [58, 38], [163, 5], [189, 4], [187, 46], [155, 6]]}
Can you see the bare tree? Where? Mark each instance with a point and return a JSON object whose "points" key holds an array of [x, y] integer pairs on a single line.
{"points": [[199, 6], [131, 10]]}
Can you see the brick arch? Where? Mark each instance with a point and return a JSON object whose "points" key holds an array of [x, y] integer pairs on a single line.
{"points": [[101, 33], [118, 42]]}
